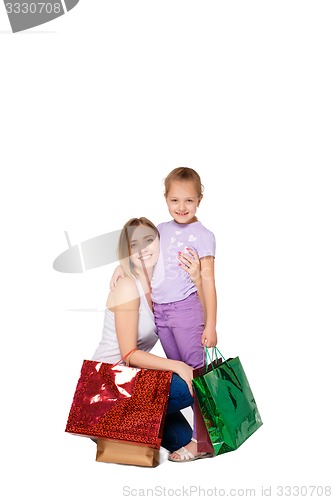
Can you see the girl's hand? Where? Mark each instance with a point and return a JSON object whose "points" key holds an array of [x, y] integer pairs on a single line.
{"points": [[117, 273], [209, 337], [191, 264]]}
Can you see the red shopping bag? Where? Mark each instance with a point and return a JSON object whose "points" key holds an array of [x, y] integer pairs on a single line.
{"points": [[120, 402]]}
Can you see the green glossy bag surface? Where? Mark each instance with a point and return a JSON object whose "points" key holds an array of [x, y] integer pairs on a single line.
{"points": [[227, 404]]}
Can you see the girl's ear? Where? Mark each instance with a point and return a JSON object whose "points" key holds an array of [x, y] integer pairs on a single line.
{"points": [[199, 199]]}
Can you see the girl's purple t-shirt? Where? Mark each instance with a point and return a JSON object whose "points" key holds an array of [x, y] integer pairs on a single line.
{"points": [[171, 283]]}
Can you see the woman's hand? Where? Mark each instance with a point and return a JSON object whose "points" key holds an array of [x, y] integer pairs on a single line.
{"points": [[186, 373], [191, 264]]}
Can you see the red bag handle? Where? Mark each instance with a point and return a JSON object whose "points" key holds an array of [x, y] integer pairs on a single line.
{"points": [[124, 357]]}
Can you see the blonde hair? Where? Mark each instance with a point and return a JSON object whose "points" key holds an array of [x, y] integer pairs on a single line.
{"points": [[183, 174], [124, 244]]}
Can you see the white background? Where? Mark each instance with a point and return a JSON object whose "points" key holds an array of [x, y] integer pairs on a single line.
{"points": [[96, 108]]}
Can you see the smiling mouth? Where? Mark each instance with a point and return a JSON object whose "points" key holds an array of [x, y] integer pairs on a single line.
{"points": [[146, 257], [182, 213]]}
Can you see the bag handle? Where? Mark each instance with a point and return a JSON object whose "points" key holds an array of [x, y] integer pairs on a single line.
{"points": [[214, 351], [124, 357]]}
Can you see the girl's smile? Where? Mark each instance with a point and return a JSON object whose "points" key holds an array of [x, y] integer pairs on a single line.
{"points": [[183, 200]]}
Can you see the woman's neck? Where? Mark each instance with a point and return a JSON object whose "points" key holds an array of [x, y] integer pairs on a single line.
{"points": [[144, 276]]}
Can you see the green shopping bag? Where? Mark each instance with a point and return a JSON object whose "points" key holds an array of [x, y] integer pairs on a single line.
{"points": [[226, 402]]}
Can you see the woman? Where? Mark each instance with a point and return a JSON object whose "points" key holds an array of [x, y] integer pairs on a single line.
{"points": [[129, 324]]}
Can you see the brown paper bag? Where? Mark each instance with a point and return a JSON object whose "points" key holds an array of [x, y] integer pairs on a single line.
{"points": [[121, 452]]}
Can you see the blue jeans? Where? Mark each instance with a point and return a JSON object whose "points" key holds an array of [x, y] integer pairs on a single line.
{"points": [[177, 430]]}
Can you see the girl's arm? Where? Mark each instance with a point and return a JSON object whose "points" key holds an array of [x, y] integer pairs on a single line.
{"points": [[209, 336], [117, 273], [125, 302]]}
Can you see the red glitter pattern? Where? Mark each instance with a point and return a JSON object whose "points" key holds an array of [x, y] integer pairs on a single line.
{"points": [[119, 402]]}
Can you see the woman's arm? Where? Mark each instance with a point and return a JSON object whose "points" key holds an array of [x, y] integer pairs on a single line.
{"points": [[144, 359], [209, 336], [125, 302], [191, 264]]}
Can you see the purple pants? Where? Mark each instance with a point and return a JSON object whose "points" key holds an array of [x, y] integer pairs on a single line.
{"points": [[179, 327]]}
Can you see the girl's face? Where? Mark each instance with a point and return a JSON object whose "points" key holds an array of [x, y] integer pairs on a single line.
{"points": [[183, 201], [144, 247]]}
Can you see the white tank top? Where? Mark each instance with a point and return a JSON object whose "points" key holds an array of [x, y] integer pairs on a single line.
{"points": [[108, 349]]}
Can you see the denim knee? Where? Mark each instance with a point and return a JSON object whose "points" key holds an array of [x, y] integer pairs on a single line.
{"points": [[179, 397]]}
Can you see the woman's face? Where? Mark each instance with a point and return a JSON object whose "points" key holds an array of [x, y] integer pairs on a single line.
{"points": [[144, 247]]}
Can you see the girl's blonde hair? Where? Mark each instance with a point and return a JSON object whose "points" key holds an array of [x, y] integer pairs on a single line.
{"points": [[183, 174], [124, 244]]}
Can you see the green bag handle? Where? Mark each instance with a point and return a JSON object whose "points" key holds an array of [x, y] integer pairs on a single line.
{"points": [[215, 350]]}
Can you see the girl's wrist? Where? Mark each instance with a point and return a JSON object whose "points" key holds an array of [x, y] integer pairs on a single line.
{"points": [[210, 325]]}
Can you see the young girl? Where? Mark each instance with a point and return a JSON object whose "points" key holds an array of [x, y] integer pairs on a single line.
{"points": [[185, 322], [181, 326]]}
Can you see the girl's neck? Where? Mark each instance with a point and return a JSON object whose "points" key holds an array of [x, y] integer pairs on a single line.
{"points": [[194, 219]]}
